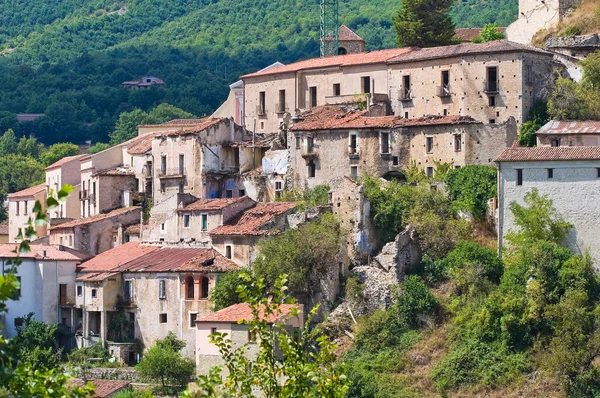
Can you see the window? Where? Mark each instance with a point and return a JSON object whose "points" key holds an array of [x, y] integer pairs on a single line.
{"points": [[298, 141], [457, 143], [193, 317], [445, 88], [365, 83], [94, 293], [492, 121], [163, 164], [213, 330], [310, 144], [60, 239], [79, 291], [281, 107], [492, 100], [528, 74], [313, 97], [228, 251], [204, 288], [18, 291], [429, 171], [337, 89], [189, 288], [242, 192], [278, 188], [384, 142], [395, 160], [598, 172], [162, 226], [18, 322], [229, 193], [406, 115], [204, 222], [519, 176], [342, 51], [181, 187], [445, 112], [128, 289], [555, 142], [25, 208], [354, 171], [353, 143], [312, 169], [181, 163], [406, 92], [186, 221], [18, 206], [162, 291], [429, 144], [492, 79], [163, 187], [550, 173], [162, 318], [261, 103]]}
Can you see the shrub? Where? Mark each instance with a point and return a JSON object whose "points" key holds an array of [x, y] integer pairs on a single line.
{"points": [[471, 187], [224, 293], [466, 252], [414, 301]]}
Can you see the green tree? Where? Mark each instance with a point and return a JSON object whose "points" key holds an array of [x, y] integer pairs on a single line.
{"points": [[8, 143], [471, 187], [565, 102], [30, 147], [126, 127], [58, 151], [538, 117], [165, 112], [97, 147], [489, 32], [287, 363], [163, 364], [224, 293], [424, 23], [38, 343]]}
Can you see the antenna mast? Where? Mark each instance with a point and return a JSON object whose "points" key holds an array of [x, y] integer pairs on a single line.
{"points": [[329, 27]]}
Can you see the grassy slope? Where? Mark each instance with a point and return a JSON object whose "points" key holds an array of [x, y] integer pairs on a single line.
{"points": [[584, 20]]}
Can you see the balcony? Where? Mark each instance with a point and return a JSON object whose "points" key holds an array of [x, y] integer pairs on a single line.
{"points": [[66, 301], [281, 108], [491, 87], [309, 152], [444, 90], [83, 194], [125, 301], [406, 95], [172, 173], [261, 110]]}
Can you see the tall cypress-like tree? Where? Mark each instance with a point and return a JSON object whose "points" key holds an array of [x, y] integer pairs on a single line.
{"points": [[424, 23]]}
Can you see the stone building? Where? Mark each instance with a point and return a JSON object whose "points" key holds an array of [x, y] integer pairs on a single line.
{"points": [[65, 171], [157, 289], [349, 42], [569, 176], [329, 143], [229, 320], [490, 82], [20, 210], [47, 278], [96, 234], [569, 133]]}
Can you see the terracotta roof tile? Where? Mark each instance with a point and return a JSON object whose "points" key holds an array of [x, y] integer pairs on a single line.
{"points": [[570, 127], [209, 261], [331, 117], [96, 218], [243, 312], [467, 35], [347, 34], [63, 161], [116, 171], [496, 46], [103, 388], [96, 276], [373, 57], [517, 154], [183, 122], [116, 257], [54, 253], [212, 204], [198, 128], [28, 192], [175, 259], [142, 146], [254, 221]]}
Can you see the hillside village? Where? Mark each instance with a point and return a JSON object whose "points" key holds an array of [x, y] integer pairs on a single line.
{"points": [[153, 224]]}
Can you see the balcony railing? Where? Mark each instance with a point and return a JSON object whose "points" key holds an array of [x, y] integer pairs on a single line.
{"points": [[261, 110], [281, 108], [309, 151], [83, 195], [491, 87], [125, 301], [66, 300], [172, 173], [406, 94], [444, 90]]}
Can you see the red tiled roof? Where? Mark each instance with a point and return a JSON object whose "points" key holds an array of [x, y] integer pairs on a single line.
{"points": [[28, 192], [103, 388], [467, 35], [519, 154], [96, 218], [183, 122], [253, 220], [243, 312], [62, 161], [8, 250], [115, 171], [96, 276], [570, 127], [496, 46], [143, 145], [175, 259], [116, 257], [347, 34], [198, 128], [373, 57], [212, 204], [331, 117]]}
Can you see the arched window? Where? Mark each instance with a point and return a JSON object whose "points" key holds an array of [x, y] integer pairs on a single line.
{"points": [[342, 51], [204, 287], [189, 287]]}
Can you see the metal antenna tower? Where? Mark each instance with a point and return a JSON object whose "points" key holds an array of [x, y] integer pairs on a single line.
{"points": [[330, 24]]}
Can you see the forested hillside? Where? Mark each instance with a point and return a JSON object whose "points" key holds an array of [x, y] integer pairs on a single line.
{"points": [[67, 58]]}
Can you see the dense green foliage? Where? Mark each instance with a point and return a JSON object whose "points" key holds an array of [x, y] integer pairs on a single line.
{"points": [[489, 33], [424, 23], [224, 293], [471, 187], [307, 198], [164, 365], [538, 116], [38, 343], [305, 254]]}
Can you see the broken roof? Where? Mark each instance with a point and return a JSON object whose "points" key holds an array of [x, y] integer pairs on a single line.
{"points": [[197, 128], [212, 204], [142, 146], [331, 117], [28, 192], [47, 252], [570, 127], [183, 122], [373, 57], [253, 220], [179, 259], [518, 154], [62, 161], [96, 218], [115, 171], [243, 312], [116, 257]]}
